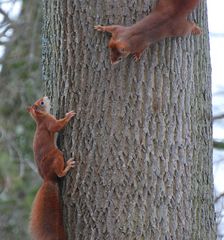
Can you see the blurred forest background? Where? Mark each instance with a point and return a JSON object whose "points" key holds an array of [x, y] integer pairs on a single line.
{"points": [[20, 85]]}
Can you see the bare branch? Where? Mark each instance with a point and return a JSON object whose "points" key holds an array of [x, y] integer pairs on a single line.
{"points": [[6, 17], [3, 32], [219, 197], [221, 116]]}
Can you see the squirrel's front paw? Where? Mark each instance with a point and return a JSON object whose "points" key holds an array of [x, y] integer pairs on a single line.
{"points": [[136, 58], [70, 114], [99, 28], [196, 30], [70, 163]]}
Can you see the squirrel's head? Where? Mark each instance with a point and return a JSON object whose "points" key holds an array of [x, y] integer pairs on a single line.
{"points": [[118, 50], [40, 107]]}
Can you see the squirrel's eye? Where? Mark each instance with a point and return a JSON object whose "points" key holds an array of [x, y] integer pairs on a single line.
{"points": [[42, 103]]}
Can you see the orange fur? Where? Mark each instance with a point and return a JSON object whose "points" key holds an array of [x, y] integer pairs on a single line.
{"points": [[167, 19], [46, 221]]}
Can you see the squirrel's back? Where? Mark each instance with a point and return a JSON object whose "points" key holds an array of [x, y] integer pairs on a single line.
{"points": [[184, 7]]}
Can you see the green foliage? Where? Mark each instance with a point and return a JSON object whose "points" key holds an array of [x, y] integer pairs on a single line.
{"points": [[218, 145], [17, 194], [20, 86]]}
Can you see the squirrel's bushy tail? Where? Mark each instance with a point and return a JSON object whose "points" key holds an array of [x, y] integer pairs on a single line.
{"points": [[46, 216], [182, 6]]}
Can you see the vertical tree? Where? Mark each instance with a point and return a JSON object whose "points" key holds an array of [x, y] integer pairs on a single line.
{"points": [[142, 136]]}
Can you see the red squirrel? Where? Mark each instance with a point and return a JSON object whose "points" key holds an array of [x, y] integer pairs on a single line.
{"points": [[167, 19], [46, 221]]}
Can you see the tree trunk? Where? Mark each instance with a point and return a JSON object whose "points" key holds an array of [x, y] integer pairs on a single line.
{"points": [[142, 136]]}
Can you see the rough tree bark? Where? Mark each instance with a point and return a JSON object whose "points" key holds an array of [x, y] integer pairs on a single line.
{"points": [[142, 136]]}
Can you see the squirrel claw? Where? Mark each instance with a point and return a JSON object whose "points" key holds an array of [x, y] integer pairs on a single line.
{"points": [[71, 163], [70, 114], [99, 28], [136, 58], [196, 30]]}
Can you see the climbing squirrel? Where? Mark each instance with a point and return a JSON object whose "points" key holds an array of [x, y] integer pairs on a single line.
{"points": [[167, 19], [46, 221]]}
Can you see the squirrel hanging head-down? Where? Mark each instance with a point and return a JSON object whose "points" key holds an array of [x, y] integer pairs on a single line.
{"points": [[167, 19]]}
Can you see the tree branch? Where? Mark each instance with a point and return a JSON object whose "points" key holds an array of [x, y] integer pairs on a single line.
{"points": [[218, 145], [5, 15], [219, 197], [3, 32], [218, 117]]}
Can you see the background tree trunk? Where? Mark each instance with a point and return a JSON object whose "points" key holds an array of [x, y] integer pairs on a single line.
{"points": [[142, 136], [20, 85]]}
